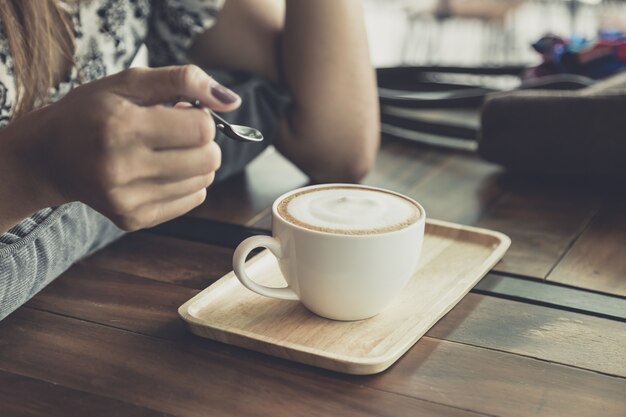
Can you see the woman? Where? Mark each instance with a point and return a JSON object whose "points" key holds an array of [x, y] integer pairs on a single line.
{"points": [[85, 154]]}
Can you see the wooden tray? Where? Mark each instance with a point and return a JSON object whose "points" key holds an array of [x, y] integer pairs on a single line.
{"points": [[454, 258]]}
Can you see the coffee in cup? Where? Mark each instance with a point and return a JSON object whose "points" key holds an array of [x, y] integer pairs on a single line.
{"points": [[345, 251], [348, 210]]}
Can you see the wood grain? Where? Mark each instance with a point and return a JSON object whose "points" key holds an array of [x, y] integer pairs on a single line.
{"points": [[230, 313], [27, 397], [459, 190], [502, 384], [596, 261], [118, 300], [542, 218], [545, 333], [167, 259], [263, 222], [499, 357], [452, 186], [548, 294], [149, 307], [49, 347], [187, 378], [398, 166]]}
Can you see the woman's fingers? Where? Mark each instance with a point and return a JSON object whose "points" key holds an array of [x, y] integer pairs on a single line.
{"points": [[163, 127], [149, 86], [152, 214], [137, 194], [178, 184], [164, 211], [177, 164]]}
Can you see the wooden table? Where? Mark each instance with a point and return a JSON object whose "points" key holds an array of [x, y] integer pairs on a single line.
{"points": [[543, 334]]}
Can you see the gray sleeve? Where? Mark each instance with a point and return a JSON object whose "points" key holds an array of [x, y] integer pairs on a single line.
{"points": [[41, 247]]}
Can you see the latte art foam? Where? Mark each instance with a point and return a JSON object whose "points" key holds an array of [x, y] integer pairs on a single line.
{"points": [[348, 210]]}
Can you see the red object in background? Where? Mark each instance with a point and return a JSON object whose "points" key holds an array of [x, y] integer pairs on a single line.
{"points": [[597, 51], [620, 52]]}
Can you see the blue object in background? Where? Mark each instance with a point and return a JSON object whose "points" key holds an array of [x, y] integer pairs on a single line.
{"points": [[594, 58]]}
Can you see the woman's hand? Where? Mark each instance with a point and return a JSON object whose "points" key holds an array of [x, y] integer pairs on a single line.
{"points": [[114, 146]]}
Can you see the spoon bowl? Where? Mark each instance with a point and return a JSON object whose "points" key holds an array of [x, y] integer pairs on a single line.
{"points": [[235, 132]]}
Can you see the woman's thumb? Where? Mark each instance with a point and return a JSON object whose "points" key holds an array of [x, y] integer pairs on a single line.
{"points": [[150, 86]]}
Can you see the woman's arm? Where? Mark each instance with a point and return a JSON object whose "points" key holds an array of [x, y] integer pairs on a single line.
{"points": [[318, 49], [111, 145]]}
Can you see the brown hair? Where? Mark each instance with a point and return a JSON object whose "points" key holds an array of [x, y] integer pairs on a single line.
{"points": [[41, 41]]}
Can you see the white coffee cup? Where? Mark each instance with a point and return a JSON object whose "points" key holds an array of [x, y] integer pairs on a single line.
{"points": [[337, 266]]}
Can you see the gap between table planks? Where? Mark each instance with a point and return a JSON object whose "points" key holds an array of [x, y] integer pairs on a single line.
{"points": [[497, 205], [115, 297], [197, 375], [596, 260], [147, 306], [186, 377]]}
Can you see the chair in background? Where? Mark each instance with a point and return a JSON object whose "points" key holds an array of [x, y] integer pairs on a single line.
{"points": [[485, 35]]}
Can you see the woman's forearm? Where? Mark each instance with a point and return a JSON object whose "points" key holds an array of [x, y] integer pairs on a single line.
{"points": [[318, 49], [13, 206], [20, 196], [332, 131]]}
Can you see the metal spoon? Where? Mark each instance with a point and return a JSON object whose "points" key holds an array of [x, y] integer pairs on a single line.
{"points": [[236, 132]]}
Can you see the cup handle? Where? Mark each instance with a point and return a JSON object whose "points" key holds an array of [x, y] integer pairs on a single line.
{"points": [[239, 261]]}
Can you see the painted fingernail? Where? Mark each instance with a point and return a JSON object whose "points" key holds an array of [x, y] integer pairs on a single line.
{"points": [[223, 94]]}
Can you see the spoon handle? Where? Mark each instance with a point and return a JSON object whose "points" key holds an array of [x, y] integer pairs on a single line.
{"points": [[221, 124], [197, 105], [219, 119]]}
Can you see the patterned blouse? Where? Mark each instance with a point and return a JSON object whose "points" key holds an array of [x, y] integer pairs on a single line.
{"points": [[108, 36]]}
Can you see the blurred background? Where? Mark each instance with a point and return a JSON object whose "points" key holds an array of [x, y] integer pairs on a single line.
{"points": [[438, 59], [479, 32]]}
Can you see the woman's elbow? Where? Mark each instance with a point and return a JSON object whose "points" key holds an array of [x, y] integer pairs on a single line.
{"points": [[332, 155], [360, 161], [353, 163], [358, 166]]}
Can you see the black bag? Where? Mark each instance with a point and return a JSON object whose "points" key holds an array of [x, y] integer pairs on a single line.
{"points": [[580, 132], [563, 124]]}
